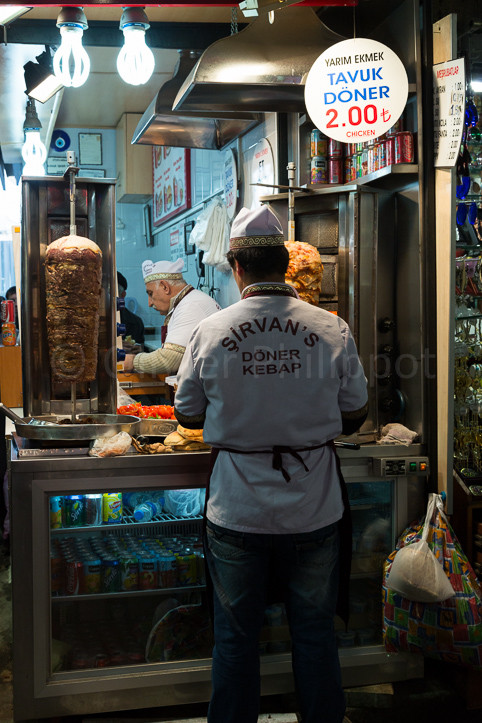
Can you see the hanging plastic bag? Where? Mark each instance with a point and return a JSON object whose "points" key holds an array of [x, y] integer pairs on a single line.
{"points": [[416, 573], [450, 630], [183, 503]]}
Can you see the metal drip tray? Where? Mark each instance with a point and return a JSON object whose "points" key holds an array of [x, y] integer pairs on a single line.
{"points": [[28, 448]]}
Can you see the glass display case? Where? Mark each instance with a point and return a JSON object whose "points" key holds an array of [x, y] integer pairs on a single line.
{"points": [[110, 607]]}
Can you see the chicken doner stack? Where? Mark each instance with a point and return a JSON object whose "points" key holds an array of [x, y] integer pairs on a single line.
{"points": [[73, 272], [305, 270]]}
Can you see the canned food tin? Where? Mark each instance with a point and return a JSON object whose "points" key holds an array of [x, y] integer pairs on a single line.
{"points": [[73, 572], [112, 507], [390, 150], [319, 170], [335, 149], [73, 511], [55, 513], [8, 310], [111, 576], [335, 170], [93, 509], [404, 147], [91, 578], [9, 333], [319, 143]]}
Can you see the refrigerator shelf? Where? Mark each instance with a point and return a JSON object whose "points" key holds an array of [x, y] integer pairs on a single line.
{"points": [[126, 593], [127, 521]]}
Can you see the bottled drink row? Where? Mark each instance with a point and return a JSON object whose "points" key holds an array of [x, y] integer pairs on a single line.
{"points": [[89, 510], [94, 565]]}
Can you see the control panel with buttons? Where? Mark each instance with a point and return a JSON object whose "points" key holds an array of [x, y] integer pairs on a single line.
{"points": [[400, 467]]}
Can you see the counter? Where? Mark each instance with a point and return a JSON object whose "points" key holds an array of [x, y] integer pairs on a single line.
{"points": [[48, 622], [11, 376]]}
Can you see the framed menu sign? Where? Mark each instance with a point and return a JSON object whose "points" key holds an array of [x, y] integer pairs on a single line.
{"points": [[171, 182]]}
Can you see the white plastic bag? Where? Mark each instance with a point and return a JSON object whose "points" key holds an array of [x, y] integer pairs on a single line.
{"points": [[183, 503], [111, 446], [416, 573]]}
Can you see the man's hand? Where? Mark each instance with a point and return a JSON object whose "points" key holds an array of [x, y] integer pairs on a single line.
{"points": [[131, 347], [129, 363]]}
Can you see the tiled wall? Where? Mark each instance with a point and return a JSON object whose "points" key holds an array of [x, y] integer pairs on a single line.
{"points": [[206, 180]]}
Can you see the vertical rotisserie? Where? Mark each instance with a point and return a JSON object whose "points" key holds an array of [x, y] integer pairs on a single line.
{"points": [[73, 273]]}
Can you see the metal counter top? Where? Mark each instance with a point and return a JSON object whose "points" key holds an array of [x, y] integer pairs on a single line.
{"points": [[134, 463]]}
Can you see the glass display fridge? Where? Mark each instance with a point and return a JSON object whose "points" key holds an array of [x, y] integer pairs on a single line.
{"points": [[109, 607]]}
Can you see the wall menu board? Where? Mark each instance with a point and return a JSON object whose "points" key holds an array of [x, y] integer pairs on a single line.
{"points": [[448, 111], [171, 170]]}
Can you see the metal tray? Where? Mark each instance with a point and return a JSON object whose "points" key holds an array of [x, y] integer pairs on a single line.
{"points": [[106, 425]]}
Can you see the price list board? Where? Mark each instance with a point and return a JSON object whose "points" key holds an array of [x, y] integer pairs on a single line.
{"points": [[449, 105]]}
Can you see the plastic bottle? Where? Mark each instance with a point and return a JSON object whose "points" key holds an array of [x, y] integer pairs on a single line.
{"points": [[145, 511], [131, 499]]}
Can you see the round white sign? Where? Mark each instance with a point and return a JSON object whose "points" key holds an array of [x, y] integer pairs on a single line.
{"points": [[356, 90], [230, 183]]}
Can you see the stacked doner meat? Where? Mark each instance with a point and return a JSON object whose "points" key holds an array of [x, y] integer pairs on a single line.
{"points": [[73, 273], [305, 270]]}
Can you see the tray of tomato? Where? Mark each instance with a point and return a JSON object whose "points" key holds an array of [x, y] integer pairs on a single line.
{"points": [[154, 411], [157, 420]]}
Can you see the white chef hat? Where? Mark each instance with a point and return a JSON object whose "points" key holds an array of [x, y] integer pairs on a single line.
{"points": [[258, 227], [168, 270]]}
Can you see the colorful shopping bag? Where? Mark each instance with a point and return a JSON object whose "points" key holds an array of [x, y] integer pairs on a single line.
{"points": [[450, 630]]}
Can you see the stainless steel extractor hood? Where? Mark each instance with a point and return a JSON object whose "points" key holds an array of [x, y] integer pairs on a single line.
{"points": [[161, 126], [262, 68]]}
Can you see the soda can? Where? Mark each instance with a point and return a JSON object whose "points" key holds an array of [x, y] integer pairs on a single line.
{"points": [[56, 512], [319, 143], [9, 333], [93, 509], [91, 579], [335, 149], [382, 154], [148, 576], [396, 128], [111, 576], [101, 660], [73, 511], [319, 169], [187, 568], [56, 574], [73, 573], [335, 170], [404, 147], [167, 570], [8, 311], [390, 150], [112, 508], [129, 573]]}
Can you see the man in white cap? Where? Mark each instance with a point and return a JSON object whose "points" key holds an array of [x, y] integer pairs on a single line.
{"points": [[182, 305], [273, 381]]}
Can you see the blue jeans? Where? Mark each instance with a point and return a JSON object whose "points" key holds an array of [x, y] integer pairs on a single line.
{"points": [[307, 565]]}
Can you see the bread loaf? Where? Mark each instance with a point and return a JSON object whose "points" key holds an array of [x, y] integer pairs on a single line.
{"points": [[73, 277]]}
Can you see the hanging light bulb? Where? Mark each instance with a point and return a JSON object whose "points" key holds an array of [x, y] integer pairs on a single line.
{"points": [[34, 152], [71, 62], [135, 61]]}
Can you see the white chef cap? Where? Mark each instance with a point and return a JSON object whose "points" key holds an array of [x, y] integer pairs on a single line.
{"points": [[168, 270], [259, 227]]}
